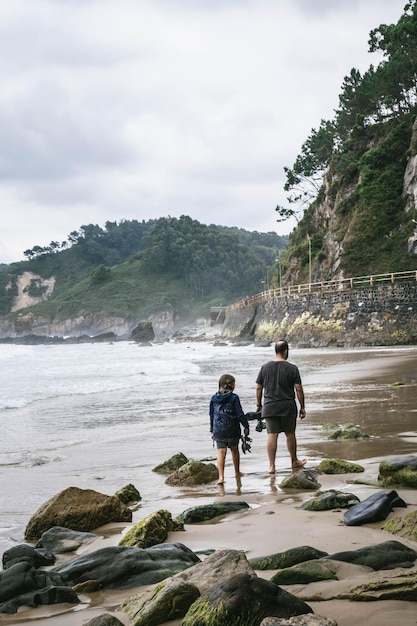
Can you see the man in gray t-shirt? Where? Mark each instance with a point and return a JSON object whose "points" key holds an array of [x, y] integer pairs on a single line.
{"points": [[279, 382]]}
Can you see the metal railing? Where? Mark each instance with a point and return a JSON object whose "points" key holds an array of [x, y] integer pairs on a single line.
{"points": [[327, 286]]}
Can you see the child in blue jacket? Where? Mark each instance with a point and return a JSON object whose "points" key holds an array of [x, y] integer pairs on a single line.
{"points": [[226, 418]]}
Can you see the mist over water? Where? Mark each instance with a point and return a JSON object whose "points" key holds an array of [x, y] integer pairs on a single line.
{"points": [[100, 416]]}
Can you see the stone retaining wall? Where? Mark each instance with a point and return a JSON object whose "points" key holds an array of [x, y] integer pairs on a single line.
{"points": [[379, 315]]}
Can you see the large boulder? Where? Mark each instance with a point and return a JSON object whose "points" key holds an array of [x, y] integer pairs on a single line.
{"points": [[193, 473], [376, 508], [119, 567], [243, 599], [150, 531], [77, 509]]}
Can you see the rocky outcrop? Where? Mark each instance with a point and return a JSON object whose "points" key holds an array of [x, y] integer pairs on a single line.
{"points": [[143, 332], [77, 509], [172, 464]]}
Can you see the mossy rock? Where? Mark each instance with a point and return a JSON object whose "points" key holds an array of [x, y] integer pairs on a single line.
{"points": [[206, 512], [401, 471], [128, 494], [193, 473], [348, 433], [171, 464], [331, 499], [338, 466], [403, 526], [151, 531], [303, 573], [288, 558], [397, 383]]}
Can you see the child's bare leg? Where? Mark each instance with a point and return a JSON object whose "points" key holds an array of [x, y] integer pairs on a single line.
{"points": [[236, 459], [221, 459]]}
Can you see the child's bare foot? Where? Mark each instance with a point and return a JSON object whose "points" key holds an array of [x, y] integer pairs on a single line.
{"points": [[220, 481], [299, 464], [271, 470], [239, 474]]}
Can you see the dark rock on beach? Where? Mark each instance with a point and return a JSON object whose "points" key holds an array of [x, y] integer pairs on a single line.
{"points": [[386, 555], [23, 584], [205, 512], [77, 509], [59, 540], [37, 557], [376, 508], [104, 620], [130, 567], [288, 558]]}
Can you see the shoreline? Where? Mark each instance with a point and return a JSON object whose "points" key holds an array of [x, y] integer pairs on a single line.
{"points": [[273, 523]]}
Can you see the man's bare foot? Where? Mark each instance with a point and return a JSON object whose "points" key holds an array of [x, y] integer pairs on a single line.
{"points": [[299, 463], [220, 481], [238, 474], [271, 470]]}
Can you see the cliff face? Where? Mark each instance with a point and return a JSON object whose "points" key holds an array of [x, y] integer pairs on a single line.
{"points": [[364, 220]]}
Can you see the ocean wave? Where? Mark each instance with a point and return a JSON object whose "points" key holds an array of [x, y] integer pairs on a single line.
{"points": [[26, 460]]}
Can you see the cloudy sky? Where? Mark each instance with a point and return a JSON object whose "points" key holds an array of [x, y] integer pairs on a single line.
{"points": [[139, 109]]}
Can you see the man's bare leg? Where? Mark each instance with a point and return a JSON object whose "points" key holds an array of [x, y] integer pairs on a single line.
{"points": [[271, 449], [292, 449]]}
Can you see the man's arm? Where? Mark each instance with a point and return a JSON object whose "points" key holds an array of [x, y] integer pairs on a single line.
{"points": [[258, 394], [300, 397]]}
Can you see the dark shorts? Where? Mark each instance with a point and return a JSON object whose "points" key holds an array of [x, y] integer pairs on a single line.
{"points": [[280, 424], [229, 443]]}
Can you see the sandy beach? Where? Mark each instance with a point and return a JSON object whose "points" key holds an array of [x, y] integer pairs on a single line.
{"points": [[274, 522]]}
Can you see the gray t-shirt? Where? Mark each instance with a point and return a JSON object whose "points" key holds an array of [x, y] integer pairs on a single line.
{"points": [[278, 379]]}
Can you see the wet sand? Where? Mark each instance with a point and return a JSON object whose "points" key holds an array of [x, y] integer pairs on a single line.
{"points": [[274, 522]]}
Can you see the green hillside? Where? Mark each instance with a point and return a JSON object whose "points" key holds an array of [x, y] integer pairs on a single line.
{"points": [[132, 269]]}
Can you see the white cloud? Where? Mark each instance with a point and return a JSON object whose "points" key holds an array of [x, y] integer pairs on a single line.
{"points": [[123, 109]]}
